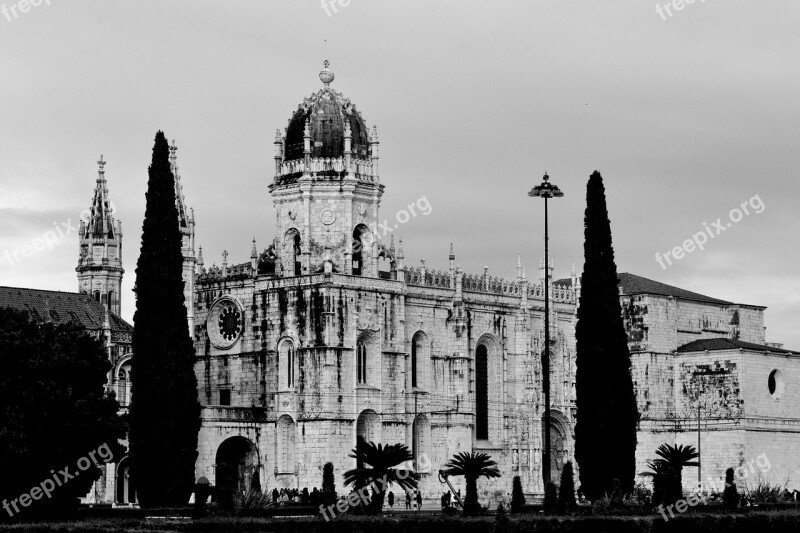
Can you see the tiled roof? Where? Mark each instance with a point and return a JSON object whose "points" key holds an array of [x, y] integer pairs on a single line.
{"points": [[633, 284], [729, 344], [60, 307]]}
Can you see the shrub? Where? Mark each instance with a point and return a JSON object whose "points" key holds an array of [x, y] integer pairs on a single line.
{"points": [[566, 492], [501, 522], [328, 485], [517, 498], [550, 498]]}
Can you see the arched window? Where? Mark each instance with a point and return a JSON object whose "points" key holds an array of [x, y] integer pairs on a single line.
{"points": [[298, 267], [361, 362], [110, 300], [362, 245], [420, 443], [123, 388], [368, 427], [481, 393], [96, 296], [420, 352], [290, 367], [286, 363], [286, 445], [414, 362]]}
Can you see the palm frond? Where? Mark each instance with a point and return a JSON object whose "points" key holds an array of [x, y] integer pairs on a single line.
{"points": [[471, 465]]}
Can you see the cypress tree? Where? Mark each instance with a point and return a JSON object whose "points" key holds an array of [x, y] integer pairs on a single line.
{"points": [[566, 491], [517, 497], [164, 412], [605, 432]]}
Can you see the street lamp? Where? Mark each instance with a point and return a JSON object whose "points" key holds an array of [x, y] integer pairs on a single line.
{"points": [[546, 190]]}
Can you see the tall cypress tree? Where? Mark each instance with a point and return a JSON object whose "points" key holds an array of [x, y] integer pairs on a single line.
{"points": [[164, 412], [605, 432]]}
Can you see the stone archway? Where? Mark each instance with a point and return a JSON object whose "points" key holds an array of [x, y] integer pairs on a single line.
{"points": [[236, 464], [126, 492], [559, 444]]}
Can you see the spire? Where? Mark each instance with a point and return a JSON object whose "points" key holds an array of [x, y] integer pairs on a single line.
{"points": [[400, 253], [519, 266], [452, 253], [200, 258], [101, 218], [99, 267], [180, 201], [391, 246]]}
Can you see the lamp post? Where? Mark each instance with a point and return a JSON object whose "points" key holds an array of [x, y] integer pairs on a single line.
{"points": [[546, 190]]}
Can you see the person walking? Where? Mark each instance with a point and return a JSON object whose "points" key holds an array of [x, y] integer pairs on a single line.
{"points": [[408, 501], [419, 500], [391, 500]]}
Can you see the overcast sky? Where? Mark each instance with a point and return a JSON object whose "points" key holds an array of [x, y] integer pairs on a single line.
{"points": [[687, 117]]}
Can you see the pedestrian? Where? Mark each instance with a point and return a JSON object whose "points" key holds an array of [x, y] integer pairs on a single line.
{"points": [[275, 496], [391, 500], [408, 501], [419, 500]]}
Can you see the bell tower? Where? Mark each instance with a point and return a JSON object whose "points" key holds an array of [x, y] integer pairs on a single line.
{"points": [[326, 188], [100, 249]]}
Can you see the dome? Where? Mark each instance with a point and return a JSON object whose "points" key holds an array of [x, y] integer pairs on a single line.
{"points": [[327, 113]]}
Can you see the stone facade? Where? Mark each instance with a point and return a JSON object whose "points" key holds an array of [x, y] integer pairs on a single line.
{"points": [[312, 344]]}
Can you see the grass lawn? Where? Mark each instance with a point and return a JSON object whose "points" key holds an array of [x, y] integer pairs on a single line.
{"points": [[752, 522]]}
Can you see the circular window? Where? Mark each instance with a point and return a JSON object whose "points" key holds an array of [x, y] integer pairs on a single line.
{"points": [[225, 323], [776, 384]]}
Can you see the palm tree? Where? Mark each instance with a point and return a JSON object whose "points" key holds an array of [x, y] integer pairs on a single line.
{"points": [[377, 463], [673, 459], [658, 471], [471, 466]]}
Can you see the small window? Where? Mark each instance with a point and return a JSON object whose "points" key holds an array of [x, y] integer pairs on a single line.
{"points": [[776, 384], [361, 363], [224, 396]]}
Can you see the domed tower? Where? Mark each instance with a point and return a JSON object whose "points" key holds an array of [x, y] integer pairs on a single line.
{"points": [[326, 189], [100, 249]]}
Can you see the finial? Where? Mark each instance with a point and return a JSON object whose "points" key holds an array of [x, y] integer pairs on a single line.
{"points": [[326, 75], [307, 129], [400, 254], [200, 256], [254, 252], [374, 134], [452, 253], [546, 177], [224, 257], [101, 164], [391, 245], [278, 138], [172, 149]]}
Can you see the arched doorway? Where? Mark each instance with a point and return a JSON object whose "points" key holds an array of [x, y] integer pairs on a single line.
{"points": [[558, 445], [126, 492], [236, 464]]}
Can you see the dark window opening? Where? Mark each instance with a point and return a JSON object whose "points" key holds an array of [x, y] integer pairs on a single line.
{"points": [[481, 393], [224, 396]]}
